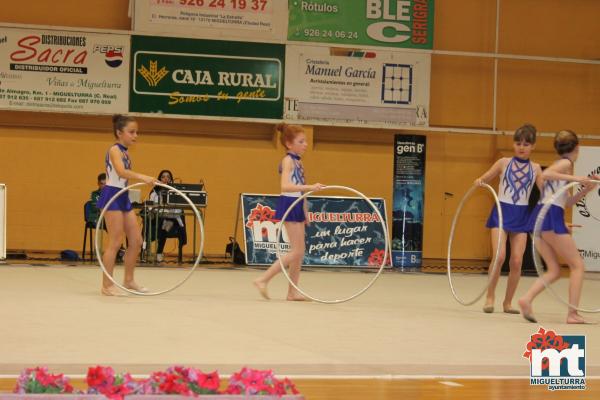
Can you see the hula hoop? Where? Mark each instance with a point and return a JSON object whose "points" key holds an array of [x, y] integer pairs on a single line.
{"points": [[451, 238], [355, 295], [537, 234], [97, 243]]}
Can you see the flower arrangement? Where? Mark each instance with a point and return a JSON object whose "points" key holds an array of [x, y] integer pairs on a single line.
{"points": [[255, 382], [176, 380], [183, 381], [39, 380], [103, 380]]}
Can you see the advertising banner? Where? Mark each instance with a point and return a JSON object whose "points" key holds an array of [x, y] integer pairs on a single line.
{"points": [[586, 213], [357, 87], [206, 77], [409, 197], [390, 23], [343, 231], [252, 20], [63, 71]]}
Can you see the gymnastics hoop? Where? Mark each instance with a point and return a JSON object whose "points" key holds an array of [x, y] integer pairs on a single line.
{"points": [[355, 295], [537, 234], [99, 226], [451, 239]]}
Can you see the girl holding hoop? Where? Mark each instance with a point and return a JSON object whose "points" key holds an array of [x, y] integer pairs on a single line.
{"points": [[517, 177], [556, 240], [120, 218], [293, 184]]}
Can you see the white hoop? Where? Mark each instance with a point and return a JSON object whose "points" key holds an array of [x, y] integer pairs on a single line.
{"points": [[537, 234], [99, 226], [451, 238], [387, 241]]}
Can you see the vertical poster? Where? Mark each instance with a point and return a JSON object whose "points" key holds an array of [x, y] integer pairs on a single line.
{"points": [[408, 203], [586, 213], [2, 221]]}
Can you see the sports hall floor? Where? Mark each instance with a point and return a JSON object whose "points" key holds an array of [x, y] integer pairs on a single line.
{"points": [[406, 337]]}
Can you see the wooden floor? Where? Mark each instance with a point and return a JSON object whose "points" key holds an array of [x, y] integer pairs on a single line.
{"points": [[417, 389], [406, 338]]}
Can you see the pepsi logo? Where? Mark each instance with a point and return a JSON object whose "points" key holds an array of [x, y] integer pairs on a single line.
{"points": [[114, 58], [113, 55]]}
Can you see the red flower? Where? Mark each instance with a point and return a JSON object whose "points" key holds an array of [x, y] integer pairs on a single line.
{"points": [[261, 213], [173, 385], [98, 376], [68, 388], [233, 390], [252, 382], [289, 385], [116, 392], [44, 378], [209, 381], [376, 258], [545, 340]]}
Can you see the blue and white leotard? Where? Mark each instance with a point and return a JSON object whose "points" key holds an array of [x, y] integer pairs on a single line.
{"points": [[516, 183], [555, 217], [114, 183], [287, 198]]}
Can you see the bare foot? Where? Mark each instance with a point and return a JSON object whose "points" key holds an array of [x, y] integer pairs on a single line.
{"points": [[296, 297], [134, 286], [262, 289], [575, 319], [488, 308], [526, 311], [111, 291], [489, 305], [508, 309]]}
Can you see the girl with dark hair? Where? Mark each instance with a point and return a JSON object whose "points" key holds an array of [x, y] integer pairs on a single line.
{"points": [[556, 240], [119, 218], [171, 222], [517, 177]]}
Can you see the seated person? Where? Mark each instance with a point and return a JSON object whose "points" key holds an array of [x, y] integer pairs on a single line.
{"points": [[171, 221], [94, 213]]}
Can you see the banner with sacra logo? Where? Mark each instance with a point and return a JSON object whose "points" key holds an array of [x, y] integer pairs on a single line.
{"points": [[389, 23], [63, 71], [343, 231], [409, 198], [586, 213]]}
